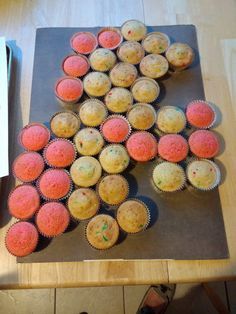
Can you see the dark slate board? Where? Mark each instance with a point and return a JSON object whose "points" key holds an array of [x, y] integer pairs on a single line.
{"points": [[185, 225]]}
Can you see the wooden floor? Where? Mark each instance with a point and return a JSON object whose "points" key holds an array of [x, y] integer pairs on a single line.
{"points": [[189, 299]]}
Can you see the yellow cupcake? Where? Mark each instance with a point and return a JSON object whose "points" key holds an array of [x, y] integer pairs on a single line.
{"points": [[131, 52], [119, 100], [179, 56], [123, 74], [142, 116], [65, 124], [102, 59], [92, 112], [96, 84], [171, 119], [156, 42], [154, 66], [88, 141], [133, 30], [145, 90]]}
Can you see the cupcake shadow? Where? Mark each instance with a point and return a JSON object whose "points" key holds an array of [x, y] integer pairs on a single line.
{"points": [[133, 184], [218, 114], [43, 243], [223, 170], [72, 225], [153, 209], [122, 237]]}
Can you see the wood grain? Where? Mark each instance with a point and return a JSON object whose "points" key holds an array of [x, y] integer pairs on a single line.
{"points": [[216, 23]]}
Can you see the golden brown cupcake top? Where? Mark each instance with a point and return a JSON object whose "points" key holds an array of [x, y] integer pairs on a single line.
{"points": [[123, 74], [65, 124], [88, 141], [131, 52], [142, 116], [180, 55], [92, 112]]}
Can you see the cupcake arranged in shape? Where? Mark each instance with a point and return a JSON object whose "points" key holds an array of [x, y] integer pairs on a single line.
{"points": [[156, 42], [171, 119], [173, 147], [123, 74], [115, 129], [65, 124], [92, 112], [200, 114], [145, 90], [118, 100], [180, 56], [34, 136], [131, 52], [83, 42], [110, 38], [102, 60], [133, 30], [69, 89], [204, 144], [88, 141], [141, 116], [75, 65], [154, 66], [97, 84]]}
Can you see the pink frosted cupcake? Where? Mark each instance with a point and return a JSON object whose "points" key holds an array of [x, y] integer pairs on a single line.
{"points": [[204, 144], [59, 153], [52, 219], [69, 89], [142, 146], [28, 166], [200, 114], [34, 136], [23, 201], [115, 129], [109, 38], [54, 184], [21, 239], [83, 42], [75, 65], [173, 147]]}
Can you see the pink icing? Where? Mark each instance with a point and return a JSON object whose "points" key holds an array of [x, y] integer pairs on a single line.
{"points": [[69, 89], [75, 66], [34, 137], [84, 43], [204, 144], [115, 130], [173, 147], [109, 39], [200, 114], [60, 153]]}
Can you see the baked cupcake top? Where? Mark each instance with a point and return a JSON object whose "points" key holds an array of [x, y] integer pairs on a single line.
{"points": [[21, 239], [171, 119], [86, 171], [204, 144], [23, 201], [75, 65], [102, 232], [34, 137], [59, 153], [113, 189], [54, 184], [115, 129], [102, 59], [168, 177], [173, 147], [145, 90], [28, 166], [154, 66], [69, 89], [133, 30], [114, 158], [118, 100], [97, 84], [203, 174], [83, 42], [156, 42], [123, 74], [200, 114], [142, 146], [65, 124], [92, 112], [131, 52], [83, 203], [142, 116], [133, 216], [52, 219], [109, 38], [88, 141], [180, 55]]}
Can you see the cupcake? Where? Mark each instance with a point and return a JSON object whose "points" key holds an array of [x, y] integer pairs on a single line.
{"points": [[83, 42], [88, 141], [83, 204], [131, 52], [102, 60], [65, 124], [97, 84], [59, 153], [115, 129], [34, 137], [133, 216], [203, 174], [200, 114], [92, 112], [154, 66], [102, 232], [171, 119], [109, 37], [123, 74], [113, 189], [145, 90], [156, 42], [28, 166], [75, 65], [52, 219], [118, 100], [69, 89], [168, 177], [133, 30], [23, 201], [54, 184], [180, 56], [85, 171], [173, 147], [142, 116], [114, 158], [204, 144], [21, 239], [142, 146]]}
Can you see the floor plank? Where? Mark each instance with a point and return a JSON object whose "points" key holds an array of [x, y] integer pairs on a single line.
{"points": [[102, 300]]}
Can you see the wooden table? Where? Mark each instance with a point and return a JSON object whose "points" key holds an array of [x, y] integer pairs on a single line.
{"points": [[216, 25]]}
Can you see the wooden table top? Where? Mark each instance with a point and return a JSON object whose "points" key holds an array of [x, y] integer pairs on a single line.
{"points": [[216, 26]]}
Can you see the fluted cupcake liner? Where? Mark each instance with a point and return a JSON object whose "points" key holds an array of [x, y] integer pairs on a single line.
{"points": [[148, 216], [146, 105], [115, 116], [60, 112], [145, 78], [90, 34], [97, 96], [106, 71], [77, 54], [110, 29], [63, 102], [156, 33], [124, 43], [131, 20], [53, 141], [126, 86], [98, 101], [120, 112], [214, 165], [102, 200]]}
